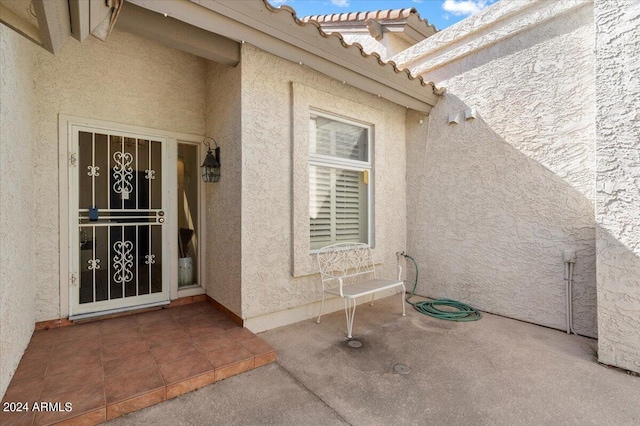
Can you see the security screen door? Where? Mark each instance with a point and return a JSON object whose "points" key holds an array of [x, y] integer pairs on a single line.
{"points": [[117, 220]]}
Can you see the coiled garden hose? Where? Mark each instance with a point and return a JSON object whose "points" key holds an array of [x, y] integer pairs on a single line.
{"points": [[429, 307]]}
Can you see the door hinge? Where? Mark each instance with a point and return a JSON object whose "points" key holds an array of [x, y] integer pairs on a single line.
{"points": [[73, 159], [73, 278]]}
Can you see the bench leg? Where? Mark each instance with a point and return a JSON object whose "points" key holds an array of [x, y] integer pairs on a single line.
{"points": [[350, 311], [372, 296], [404, 290], [321, 307]]}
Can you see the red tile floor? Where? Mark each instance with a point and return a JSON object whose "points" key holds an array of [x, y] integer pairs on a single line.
{"points": [[115, 366]]}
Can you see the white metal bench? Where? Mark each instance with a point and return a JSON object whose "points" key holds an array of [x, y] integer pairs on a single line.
{"points": [[347, 270]]}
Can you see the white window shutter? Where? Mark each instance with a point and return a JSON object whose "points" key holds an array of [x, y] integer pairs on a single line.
{"points": [[348, 213], [338, 196], [320, 210]]}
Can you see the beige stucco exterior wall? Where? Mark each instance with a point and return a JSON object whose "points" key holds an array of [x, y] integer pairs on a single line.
{"points": [[127, 80], [618, 181], [224, 198], [503, 195], [271, 93], [17, 202]]}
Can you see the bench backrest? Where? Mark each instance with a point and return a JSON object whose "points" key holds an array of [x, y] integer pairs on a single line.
{"points": [[344, 260]]}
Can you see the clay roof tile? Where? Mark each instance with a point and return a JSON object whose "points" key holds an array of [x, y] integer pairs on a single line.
{"points": [[316, 19]]}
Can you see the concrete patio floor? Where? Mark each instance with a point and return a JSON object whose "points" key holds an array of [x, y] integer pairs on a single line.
{"points": [[495, 371]]}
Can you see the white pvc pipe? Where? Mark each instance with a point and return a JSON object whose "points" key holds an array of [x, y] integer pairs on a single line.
{"points": [[567, 296], [568, 277], [571, 298]]}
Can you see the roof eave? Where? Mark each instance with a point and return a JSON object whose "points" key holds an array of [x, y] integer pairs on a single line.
{"points": [[270, 29]]}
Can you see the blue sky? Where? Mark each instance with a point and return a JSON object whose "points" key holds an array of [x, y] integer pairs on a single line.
{"points": [[441, 13]]}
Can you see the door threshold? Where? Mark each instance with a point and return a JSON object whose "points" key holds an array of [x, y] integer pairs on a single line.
{"points": [[117, 311]]}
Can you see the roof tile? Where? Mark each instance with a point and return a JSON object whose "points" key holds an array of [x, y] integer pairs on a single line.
{"points": [[307, 20], [362, 16]]}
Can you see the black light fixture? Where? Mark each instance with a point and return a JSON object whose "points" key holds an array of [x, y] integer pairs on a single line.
{"points": [[211, 165]]}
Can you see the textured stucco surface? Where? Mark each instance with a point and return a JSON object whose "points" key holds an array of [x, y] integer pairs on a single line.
{"points": [[481, 30], [389, 46], [17, 203], [618, 181], [500, 197], [223, 199], [126, 80], [269, 179]]}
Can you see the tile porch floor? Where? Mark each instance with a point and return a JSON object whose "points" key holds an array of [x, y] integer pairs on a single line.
{"points": [[115, 366]]}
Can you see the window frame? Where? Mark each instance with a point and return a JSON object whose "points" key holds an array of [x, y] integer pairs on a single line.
{"points": [[335, 162]]}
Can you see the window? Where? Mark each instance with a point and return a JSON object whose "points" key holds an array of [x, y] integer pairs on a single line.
{"points": [[339, 177]]}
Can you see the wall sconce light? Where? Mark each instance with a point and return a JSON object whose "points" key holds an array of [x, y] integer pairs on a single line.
{"points": [[211, 165]]}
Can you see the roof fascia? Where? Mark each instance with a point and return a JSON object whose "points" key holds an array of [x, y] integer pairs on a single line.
{"points": [[54, 23], [245, 21]]}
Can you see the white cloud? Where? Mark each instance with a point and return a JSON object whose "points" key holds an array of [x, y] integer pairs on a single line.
{"points": [[464, 7], [277, 2], [340, 3], [418, 1]]}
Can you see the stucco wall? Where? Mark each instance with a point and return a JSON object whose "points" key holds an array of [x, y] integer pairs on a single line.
{"points": [[269, 180], [389, 46], [17, 202], [618, 181], [503, 195], [126, 80], [223, 198]]}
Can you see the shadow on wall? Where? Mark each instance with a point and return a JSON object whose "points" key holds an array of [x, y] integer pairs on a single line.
{"points": [[618, 302], [492, 225]]}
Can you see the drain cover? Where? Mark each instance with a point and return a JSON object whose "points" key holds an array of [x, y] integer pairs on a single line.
{"points": [[401, 369], [355, 343]]}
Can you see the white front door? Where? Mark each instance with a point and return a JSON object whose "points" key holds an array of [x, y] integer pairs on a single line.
{"points": [[118, 190]]}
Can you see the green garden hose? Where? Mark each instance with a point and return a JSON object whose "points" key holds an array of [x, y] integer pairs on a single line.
{"points": [[463, 313]]}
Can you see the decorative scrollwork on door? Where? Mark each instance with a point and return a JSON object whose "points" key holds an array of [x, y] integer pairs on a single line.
{"points": [[150, 259], [93, 264], [123, 262], [122, 172], [93, 171]]}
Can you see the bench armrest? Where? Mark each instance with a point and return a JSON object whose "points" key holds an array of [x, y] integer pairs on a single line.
{"points": [[329, 278]]}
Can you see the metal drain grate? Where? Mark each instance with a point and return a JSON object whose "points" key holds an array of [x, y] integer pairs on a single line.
{"points": [[401, 369], [355, 344]]}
